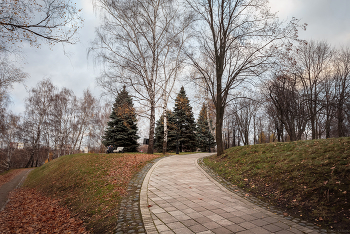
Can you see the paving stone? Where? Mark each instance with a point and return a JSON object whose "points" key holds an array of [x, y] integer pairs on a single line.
{"points": [[235, 228], [183, 231], [259, 222], [198, 228], [162, 228], [221, 230], [248, 217], [259, 230], [282, 225], [284, 232], [189, 222], [224, 222], [236, 219], [205, 232], [175, 225], [211, 225], [247, 225], [246, 232], [187, 200], [182, 217], [272, 228], [203, 219]]}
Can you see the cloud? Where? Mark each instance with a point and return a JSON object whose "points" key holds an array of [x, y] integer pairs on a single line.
{"points": [[327, 20], [69, 67]]}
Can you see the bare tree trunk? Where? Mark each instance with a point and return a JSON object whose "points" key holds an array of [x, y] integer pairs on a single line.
{"points": [[165, 141], [151, 130], [219, 121]]}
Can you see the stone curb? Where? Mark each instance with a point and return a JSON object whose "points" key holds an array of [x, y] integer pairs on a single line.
{"points": [[146, 213]]}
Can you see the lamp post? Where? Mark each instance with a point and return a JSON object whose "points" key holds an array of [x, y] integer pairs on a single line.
{"points": [[177, 136]]}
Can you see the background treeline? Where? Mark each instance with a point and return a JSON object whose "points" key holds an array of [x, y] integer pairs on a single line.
{"points": [[55, 123], [306, 96]]}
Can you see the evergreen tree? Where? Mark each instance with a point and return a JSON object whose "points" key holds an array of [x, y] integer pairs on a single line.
{"points": [[122, 127], [186, 124], [204, 135], [159, 133]]}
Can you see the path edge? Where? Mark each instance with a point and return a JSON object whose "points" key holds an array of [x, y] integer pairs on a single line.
{"points": [[278, 217], [17, 186], [145, 212]]}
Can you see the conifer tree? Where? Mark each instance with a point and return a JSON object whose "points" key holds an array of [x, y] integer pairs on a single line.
{"points": [[122, 127], [204, 135], [185, 122]]}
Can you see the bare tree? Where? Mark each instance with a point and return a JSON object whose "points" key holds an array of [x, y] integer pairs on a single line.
{"points": [[84, 113], [8, 136], [239, 37], [36, 117], [138, 43], [29, 20], [313, 59], [342, 88], [289, 104]]}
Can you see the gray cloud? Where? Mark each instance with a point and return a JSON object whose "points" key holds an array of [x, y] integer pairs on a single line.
{"points": [[327, 20]]}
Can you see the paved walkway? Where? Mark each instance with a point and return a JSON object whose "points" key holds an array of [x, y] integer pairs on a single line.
{"points": [[5, 189], [177, 196]]}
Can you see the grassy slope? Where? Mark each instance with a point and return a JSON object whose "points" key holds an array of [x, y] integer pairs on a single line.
{"points": [[305, 178], [91, 185]]}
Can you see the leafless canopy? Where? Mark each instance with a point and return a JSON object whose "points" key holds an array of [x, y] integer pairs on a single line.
{"points": [[238, 38], [29, 20]]}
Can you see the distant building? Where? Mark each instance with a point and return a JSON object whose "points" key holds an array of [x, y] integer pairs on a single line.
{"points": [[145, 141], [85, 149], [20, 145]]}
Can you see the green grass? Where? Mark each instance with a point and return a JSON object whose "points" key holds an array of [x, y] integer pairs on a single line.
{"points": [[91, 185], [305, 178]]}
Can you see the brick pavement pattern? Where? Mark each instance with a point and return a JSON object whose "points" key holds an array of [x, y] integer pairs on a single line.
{"points": [[177, 196]]}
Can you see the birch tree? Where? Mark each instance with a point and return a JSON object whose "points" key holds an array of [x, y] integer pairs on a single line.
{"points": [[313, 59], [136, 44], [239, 37], [36, 116]]}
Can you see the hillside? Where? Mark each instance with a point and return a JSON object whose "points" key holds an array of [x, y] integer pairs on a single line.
{"points": [[90, 185], [309, 179]]}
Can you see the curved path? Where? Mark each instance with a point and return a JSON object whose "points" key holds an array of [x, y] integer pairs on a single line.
{"points": [[177, 196], [5, 189]]}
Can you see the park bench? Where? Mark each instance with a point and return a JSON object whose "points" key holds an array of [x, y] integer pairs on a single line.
{"points": [[119, 150]]}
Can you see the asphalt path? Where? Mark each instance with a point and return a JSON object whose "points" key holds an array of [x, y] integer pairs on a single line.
{"points": [[5, 189]]}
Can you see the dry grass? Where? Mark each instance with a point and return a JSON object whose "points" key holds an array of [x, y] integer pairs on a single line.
{"points": [[310, 179], [90, 185]]}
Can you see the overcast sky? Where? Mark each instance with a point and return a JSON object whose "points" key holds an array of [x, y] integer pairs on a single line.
{"points": [[69, 66]]}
